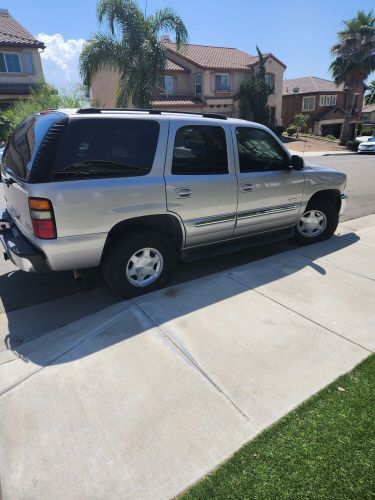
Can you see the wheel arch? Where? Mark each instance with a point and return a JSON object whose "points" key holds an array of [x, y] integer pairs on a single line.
{"points": [[167, 224], [333, 195]]}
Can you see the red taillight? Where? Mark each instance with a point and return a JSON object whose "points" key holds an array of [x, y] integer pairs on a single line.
{"points": [[42, 218]]}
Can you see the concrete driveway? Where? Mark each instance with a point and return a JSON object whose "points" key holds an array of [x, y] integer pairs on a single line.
{"points": [[144, 397]]}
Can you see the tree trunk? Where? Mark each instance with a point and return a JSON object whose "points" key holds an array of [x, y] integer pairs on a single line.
{"points": [[345, 129]]}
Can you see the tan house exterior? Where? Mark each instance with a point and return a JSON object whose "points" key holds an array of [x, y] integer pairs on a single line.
{"points": [[322, 100], [201, 78], [20, 64], [368, 114]]}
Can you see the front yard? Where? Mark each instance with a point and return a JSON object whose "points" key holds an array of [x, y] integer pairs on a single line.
{"points": [[325, 449], [306, 144]]}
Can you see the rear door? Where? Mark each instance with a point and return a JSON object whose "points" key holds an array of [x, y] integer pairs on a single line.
{"points": [[200, 179], [269, 192]]}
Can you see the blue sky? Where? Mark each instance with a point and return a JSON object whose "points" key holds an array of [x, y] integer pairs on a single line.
{"points": [[298, 32]]}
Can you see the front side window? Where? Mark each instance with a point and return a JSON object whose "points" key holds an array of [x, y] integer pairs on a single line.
{"points": [[258, 151], [222, 82], [200, 150], [166, 84], [107, 147], [9, 62], [308, 103], [198, 83]]}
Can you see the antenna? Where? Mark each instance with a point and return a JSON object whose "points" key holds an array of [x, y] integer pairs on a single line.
{"points": [[145, 8]]}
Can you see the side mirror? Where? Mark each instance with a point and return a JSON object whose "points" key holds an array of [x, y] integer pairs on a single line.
{"points": [[297, 162]]}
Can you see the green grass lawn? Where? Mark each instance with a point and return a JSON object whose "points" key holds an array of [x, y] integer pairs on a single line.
{"points": [[325, 449]]}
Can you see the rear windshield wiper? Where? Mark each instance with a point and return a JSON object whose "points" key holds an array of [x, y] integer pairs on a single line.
{"points": [[100, 167]]}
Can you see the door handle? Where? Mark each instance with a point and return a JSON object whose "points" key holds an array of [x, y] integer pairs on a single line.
{"points": [[246, 187], [183, 193]]}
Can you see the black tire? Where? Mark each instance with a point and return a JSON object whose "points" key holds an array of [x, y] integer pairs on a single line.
{"points": [[330, 211], [117, 256]]}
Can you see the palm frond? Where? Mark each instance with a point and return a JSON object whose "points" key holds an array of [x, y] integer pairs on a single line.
{"points": [[101, 52], [168, 20]]}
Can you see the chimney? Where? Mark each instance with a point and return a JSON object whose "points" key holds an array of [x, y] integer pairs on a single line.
{"points": [[165, 38]]}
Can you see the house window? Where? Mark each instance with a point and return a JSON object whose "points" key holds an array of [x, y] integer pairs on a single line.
{"points": [[222, 82], [9, 62], [328, 100], [166, 84], [308, 103], [198, 83], [270, 81], [28, 65]]}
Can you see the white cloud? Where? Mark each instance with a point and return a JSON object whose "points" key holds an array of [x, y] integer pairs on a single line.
{"points": [[60, 60]]}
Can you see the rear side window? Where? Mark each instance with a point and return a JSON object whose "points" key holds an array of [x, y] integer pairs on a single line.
{"points": [[258, 151], [107, 147], [200, 150]]}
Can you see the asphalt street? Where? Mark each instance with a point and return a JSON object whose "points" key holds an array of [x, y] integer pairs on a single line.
{"points": [[66, 300]]}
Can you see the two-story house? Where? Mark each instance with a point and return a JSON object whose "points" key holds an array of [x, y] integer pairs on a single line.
{"points": [[201, 78], [20, 64], [322, 100]]}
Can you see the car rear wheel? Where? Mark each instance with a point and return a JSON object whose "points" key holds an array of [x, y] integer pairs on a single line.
{"points": [[139, 264], [317, 223]]}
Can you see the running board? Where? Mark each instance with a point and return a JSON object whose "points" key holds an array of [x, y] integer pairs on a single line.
{"points": [[214, 249]]}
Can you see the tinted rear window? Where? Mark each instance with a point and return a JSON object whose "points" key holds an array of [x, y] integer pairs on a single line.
{"points": [[24, 143], [107, 147], [20, 148]]}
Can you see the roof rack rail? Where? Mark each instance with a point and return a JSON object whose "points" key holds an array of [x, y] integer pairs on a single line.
{"points": [[88, 111]]}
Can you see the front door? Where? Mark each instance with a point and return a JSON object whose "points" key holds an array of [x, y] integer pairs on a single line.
{"points": [[200, 179], [269, 192]]}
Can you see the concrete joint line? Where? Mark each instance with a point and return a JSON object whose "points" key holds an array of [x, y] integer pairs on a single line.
{"points": [[198, 367], [95, 332], [301, 315], [321, 259]]}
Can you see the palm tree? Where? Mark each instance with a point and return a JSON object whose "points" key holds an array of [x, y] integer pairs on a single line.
{"points": [[354, 60], [370, 96], [132, 46]]}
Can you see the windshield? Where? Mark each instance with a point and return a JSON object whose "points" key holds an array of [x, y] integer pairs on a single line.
{"points": [[371, 139]]}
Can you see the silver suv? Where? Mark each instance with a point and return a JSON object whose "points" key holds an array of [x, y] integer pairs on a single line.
{"points": [[132, 191]]}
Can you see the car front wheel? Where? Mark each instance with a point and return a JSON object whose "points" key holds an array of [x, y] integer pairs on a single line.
{"points": [[317, 223]]}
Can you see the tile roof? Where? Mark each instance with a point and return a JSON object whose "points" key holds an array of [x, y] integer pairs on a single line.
{"points": [[172, 66], [209, 57], [12, 33], [170, 101], [369, 108], [309, 84], [17, 88]]}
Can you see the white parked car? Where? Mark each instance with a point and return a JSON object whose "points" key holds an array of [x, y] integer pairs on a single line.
{"points": [[363, 138], [367, 146]]}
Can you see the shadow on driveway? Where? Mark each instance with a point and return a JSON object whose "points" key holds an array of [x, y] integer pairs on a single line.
{"points": [[205, 293]]}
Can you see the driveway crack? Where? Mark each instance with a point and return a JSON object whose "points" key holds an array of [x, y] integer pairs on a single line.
{"points": [[198, 367]]}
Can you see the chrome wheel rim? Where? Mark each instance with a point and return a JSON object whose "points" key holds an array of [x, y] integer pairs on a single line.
{"points": [[144, 267], [312, 224]]}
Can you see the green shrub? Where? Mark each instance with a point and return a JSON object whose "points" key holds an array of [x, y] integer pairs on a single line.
{"points": [[366, 131], [353, 145], [291, 130], [330, 137]]}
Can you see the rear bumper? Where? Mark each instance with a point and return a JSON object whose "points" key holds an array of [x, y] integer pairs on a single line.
{"points": [[19, 250]]}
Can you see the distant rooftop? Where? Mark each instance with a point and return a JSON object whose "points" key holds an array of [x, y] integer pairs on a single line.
{"points": [[369, 108], [13, 34], [210, 57], [309, 84]]}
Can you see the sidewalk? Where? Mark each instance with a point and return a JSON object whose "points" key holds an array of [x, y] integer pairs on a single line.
{"points": [[142, 399], [320, 153]]}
